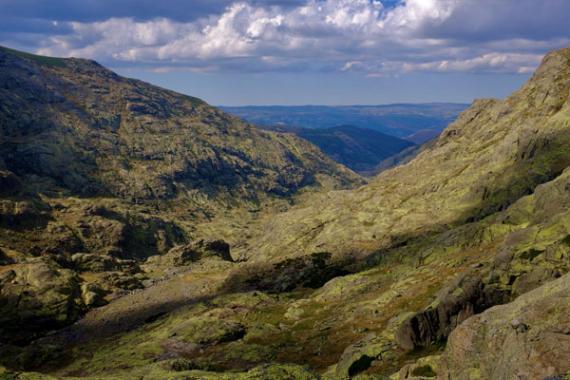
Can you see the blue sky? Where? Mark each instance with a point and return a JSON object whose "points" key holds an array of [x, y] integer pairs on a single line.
{"points": [[234, 52]]}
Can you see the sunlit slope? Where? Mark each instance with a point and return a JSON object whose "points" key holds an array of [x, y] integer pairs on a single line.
{"points": [[496, 152]]}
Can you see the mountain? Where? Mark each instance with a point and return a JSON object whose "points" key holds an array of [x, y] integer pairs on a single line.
{"points": [[99, 172], [454, 265], [492, 155], [399, 120], [359, 149], [80, 128]]}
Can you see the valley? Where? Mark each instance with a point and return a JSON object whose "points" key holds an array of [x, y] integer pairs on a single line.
{"points": [[145, 234]]}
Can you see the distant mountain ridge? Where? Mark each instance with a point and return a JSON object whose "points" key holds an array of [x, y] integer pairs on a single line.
{"points": [[399, 120], [360, 149]]}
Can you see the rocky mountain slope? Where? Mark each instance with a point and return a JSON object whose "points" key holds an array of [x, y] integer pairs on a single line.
{"points": [[80, 128], [453, 266], [359, 149], [493, 154], [100, 172]]}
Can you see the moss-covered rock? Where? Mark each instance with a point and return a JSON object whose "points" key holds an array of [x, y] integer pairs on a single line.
{"points": [[37, 296], [206, 331], [527, 338]]}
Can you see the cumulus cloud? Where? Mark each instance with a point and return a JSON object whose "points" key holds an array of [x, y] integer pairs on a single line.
{"points": [[372, 36]]}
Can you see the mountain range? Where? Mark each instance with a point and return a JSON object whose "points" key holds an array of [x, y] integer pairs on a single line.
{"points": [[415, 122], [360, 149], [145, 234]]}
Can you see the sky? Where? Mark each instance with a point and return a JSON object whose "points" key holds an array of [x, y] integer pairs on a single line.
{"points": [[293, 52]]}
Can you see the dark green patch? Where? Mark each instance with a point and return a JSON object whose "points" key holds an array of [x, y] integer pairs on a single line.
{"points": [[9, 376], [531, 254], [425, 371], [360, 365]]}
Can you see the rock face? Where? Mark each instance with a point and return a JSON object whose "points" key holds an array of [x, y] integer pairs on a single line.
{"points": [[461, 299], [528, 338]]}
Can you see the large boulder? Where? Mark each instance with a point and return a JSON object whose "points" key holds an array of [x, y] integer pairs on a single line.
{"points": [[36, 297], [466, 296], [528, 338], [93, 295]]}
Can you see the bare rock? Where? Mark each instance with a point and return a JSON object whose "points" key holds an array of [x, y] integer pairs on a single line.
{"points": [[528, 338]]}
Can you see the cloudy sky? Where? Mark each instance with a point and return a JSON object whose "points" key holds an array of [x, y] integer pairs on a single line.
{"points": [[235, 52]]}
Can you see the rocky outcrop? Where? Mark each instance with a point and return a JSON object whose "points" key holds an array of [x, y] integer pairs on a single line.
{"points": [[35, 297], [201, 249], [92, 295], [528, 338], [311, 271], [463, 298], [362, 355]]}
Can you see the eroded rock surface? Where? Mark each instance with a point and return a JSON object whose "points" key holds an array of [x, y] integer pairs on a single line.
{"points": [[528, 338]]}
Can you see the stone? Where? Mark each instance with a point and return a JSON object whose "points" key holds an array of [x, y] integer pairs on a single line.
{"points": [[496, 344], [36, 297], [92, 295]]}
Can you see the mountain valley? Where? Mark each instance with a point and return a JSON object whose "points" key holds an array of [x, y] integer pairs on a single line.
{"points": [[418, 123], [359, 149], [145, 234]]}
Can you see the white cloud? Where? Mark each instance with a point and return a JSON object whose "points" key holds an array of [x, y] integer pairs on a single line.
{"points": [[344, 35], [498, 62]]}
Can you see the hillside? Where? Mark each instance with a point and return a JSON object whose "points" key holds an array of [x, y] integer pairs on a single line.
{"points": [[493, 154], [359, 149], [400, 120], [80, 128], [99, 172], [454, 265]]}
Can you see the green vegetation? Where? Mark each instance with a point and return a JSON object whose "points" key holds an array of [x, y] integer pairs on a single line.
{"points": [[144, 235], [40, 59]]}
